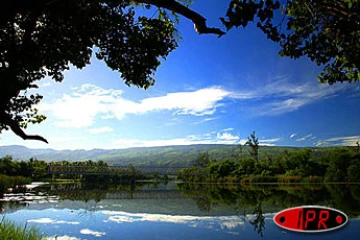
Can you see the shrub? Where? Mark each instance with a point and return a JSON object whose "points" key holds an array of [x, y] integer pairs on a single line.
{"points": [[9, 181], [258, 179]]}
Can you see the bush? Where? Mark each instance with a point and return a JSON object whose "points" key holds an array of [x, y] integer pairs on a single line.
{"points": [[288, 178], [7, 182], [193, 174], [259, 179], [221, 169]]}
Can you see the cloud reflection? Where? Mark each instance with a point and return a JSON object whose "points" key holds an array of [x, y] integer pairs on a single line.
{"points": [[91, 232], [65, 237], [51, 221], [213, 222]]}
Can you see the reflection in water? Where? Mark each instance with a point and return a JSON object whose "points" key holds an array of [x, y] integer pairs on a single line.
{"points": [[259, 220], [225, 208], [274, 197]]}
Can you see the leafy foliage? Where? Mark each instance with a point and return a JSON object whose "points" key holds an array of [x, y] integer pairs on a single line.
{"points": [[257, 199], [327, 32], [42, 38], [34, 169], [307, 165], [343, 165], [202, 160], [16, 182], [313, 165]]}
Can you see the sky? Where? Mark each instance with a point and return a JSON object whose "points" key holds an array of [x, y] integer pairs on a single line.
{"points": [[209, 90]]}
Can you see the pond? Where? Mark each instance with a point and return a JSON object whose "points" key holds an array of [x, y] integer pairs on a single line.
{"points": [[176, 211]]}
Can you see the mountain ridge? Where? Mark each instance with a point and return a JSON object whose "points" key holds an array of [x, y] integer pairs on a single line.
{"points": [[174, 155]]}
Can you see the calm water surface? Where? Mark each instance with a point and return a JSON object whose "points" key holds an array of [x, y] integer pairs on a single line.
{"points": [[176, 211]]}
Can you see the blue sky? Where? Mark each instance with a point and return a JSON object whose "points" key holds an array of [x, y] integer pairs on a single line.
{"points": [[208, 90]]}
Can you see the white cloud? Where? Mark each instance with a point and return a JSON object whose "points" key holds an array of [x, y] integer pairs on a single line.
{"points": [[322, 144], [293, 135], [91, 232], [65, 139], [51, 221], [227, 136], [100, 130], [282, 106], [127, 143], [206, 120], [209, 138], [75, 112], [88, 101], [199, 103], [282, 96], [340, 141], [304, 138], [268, 142]]}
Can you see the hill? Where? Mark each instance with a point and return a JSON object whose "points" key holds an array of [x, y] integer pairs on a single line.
{"points": [[167, 155]]}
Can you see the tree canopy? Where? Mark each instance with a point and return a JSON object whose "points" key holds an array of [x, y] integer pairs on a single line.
{"points": [[327, 32], [40, 38]]}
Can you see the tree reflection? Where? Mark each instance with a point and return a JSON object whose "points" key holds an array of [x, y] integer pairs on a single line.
{"points": [[260, 199], [204, 203], [249, 202], [259, 221]]}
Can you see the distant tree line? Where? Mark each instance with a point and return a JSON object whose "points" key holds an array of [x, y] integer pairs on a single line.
{"points": [[34, 169], [340, 164]]}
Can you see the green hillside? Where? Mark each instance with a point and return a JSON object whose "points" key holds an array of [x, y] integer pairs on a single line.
{"points": [[181, 155], [167, 155]]}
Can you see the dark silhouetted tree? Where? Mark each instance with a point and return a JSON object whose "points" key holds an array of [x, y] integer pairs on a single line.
{"points": [[253, 143], [40, 38], [327, 32]]}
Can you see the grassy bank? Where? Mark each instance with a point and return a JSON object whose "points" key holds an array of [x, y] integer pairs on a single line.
{"points": [[12, 231]]}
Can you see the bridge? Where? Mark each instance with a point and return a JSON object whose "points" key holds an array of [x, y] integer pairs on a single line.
{"points": [[112, 170]]}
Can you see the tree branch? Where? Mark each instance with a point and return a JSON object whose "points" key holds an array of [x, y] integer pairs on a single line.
{"points": [[14, 126], [198, 20], [171, 5]]}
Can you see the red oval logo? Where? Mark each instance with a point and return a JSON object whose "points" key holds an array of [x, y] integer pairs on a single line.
{"points": [[310, 219]]}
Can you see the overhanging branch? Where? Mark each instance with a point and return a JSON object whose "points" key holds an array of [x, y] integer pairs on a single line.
{"points": [[174, 6], [14, 126], [171, 5]]}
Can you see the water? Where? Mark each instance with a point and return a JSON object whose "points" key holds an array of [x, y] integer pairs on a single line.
{"points": [[176, 211]]}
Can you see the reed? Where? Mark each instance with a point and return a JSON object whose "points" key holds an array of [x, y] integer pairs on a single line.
{"points": [[12, 231]]}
